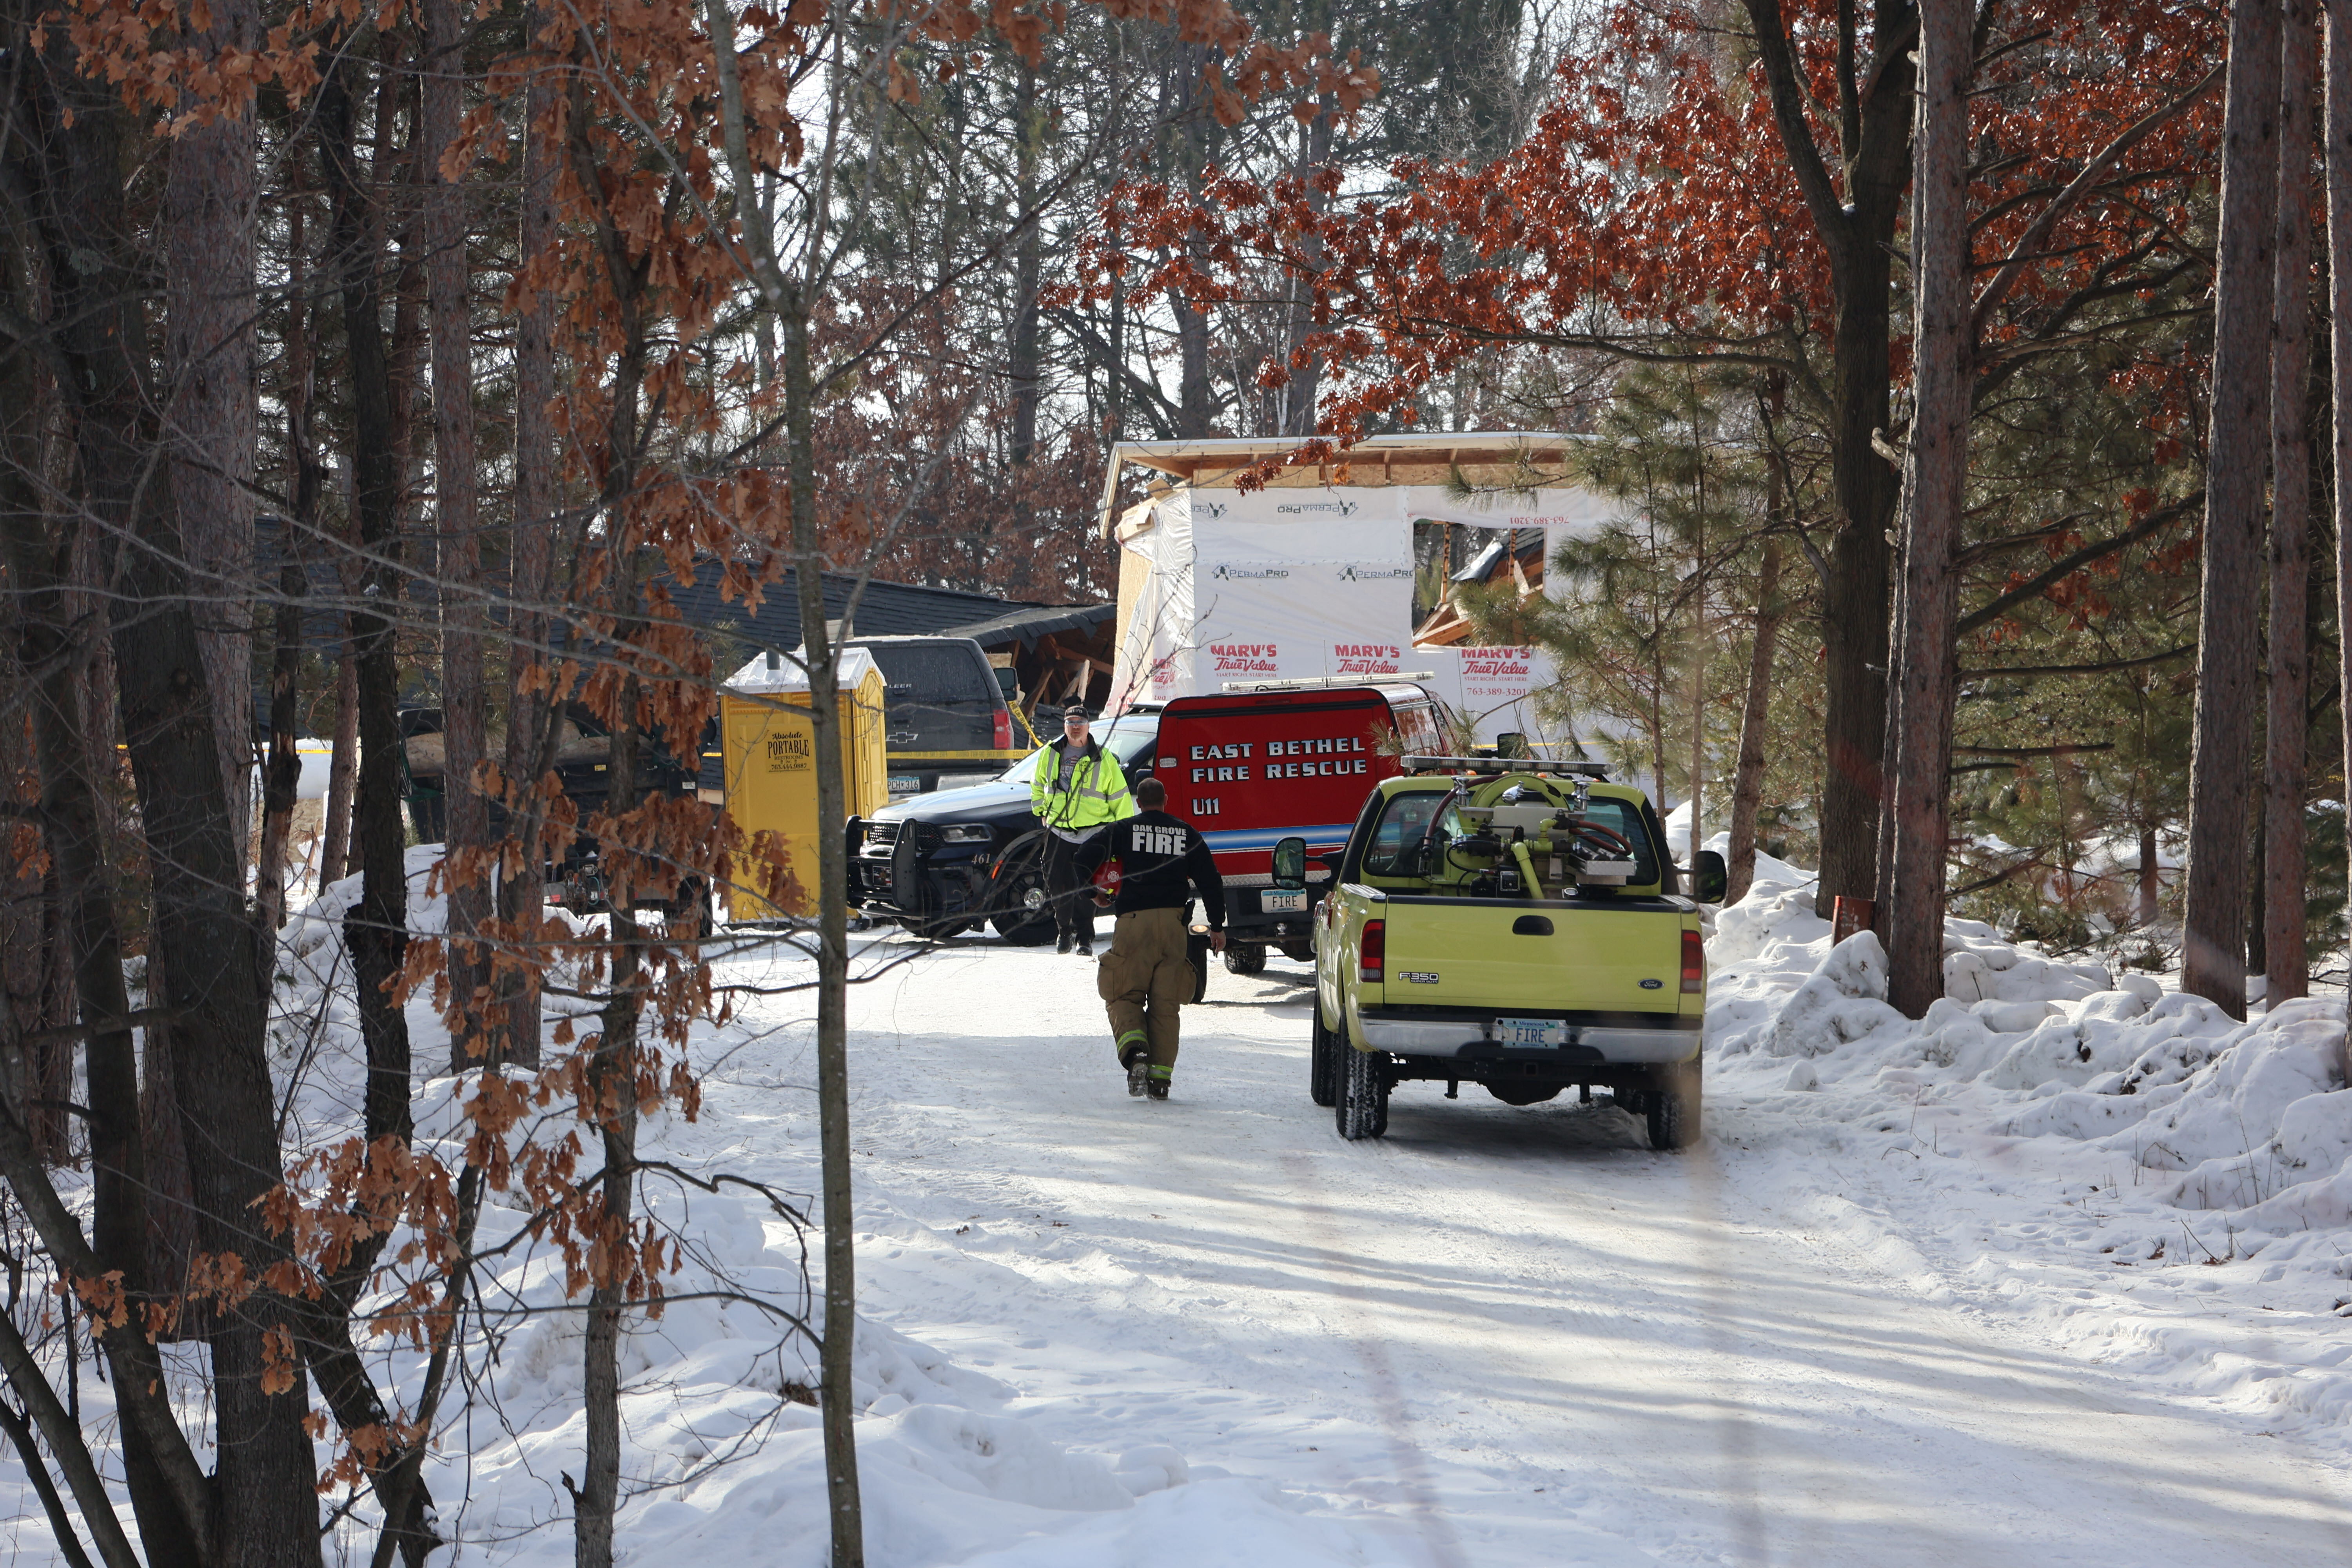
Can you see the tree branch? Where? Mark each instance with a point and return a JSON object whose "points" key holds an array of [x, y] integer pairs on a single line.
{"points": [[1985, 548], [1782, 78], [2079, 186], [2027, 671], [2067, 566]]}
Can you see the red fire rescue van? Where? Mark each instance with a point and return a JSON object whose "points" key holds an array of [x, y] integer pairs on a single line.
{"points": [[1250, 766]]}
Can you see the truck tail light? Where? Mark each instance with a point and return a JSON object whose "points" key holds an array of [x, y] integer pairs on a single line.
{"points": [[1372, 952], [1693, 964], [1004, 734]]}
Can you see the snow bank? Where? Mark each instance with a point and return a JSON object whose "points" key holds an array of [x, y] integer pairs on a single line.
{"points": [[2150, 1120], [2240, 1107], [1768, 868]]}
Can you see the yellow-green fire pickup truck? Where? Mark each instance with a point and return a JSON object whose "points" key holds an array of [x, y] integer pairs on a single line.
{"points": [[1514, 923]]}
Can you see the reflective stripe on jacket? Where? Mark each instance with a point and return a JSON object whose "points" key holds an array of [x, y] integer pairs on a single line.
{"points": [[1096, 793]]}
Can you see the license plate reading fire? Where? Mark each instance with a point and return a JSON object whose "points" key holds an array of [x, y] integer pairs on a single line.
{"points": [[1529, 1033], [1283, 903]]}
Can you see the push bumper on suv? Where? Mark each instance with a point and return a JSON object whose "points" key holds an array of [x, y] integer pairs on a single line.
{"points": [[905, 871], [1468, 1034]]}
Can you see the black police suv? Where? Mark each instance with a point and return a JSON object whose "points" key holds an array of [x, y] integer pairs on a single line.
{"points": [[942, 863]]}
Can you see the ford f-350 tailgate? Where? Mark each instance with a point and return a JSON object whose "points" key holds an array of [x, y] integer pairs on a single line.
{"points": [[1614, 955]]}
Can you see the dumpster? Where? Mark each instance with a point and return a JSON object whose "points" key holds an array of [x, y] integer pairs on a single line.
{"points": [[770, 758]]}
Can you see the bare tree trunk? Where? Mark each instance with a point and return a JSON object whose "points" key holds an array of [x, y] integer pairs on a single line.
{"points": [[2151, 876], [612, 1077], [283, 778], [304, 480], [47, 562], [2214, 940], [210, 302], [460, 566], [1657, 717], [1193, 410], [32, 930], [833, 957], [1299, 394], [266, 1510], [208, 265], [1858, 220], [376, 930], [172, 1244], [2257, 953], [342, 767], [2287, 969], [1698, 668], [260, 1507], [1748, 782], [1926, 678], [788, 299], [531, 562], [2337, 141], [1022, 369], [611, 1069]]}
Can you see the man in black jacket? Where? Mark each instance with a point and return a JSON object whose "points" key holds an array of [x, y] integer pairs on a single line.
{"points": [[1146, 977]]}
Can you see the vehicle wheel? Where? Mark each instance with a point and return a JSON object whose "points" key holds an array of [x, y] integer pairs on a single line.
{"points": [[1363, 1107], [1246, 958], [1298, 952], [1196, 954], [1674, 1108], [1028, 922], [943, 932], [1323, 1062]]}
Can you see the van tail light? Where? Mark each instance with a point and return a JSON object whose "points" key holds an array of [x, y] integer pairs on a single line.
{"points": [[1372, 952], [1693, 964], [1003, 737]]}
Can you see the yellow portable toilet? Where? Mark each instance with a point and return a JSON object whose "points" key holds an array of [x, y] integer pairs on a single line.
{"points": [[766, 732]]}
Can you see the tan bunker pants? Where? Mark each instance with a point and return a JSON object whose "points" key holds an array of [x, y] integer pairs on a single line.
{"points": [[1144, 979]]}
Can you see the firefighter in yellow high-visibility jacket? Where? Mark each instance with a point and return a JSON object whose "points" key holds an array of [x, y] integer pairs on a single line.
{"points": [[1076, 789]]}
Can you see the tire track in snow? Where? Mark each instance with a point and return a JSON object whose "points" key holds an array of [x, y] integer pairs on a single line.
{"points": [[1420, 1482]]}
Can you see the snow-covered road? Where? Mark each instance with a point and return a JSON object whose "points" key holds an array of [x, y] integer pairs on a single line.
{"points": [[1500, 1336]]}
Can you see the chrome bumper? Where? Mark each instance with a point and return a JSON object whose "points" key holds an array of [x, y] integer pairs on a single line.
{"points": [[1586, 1042]]}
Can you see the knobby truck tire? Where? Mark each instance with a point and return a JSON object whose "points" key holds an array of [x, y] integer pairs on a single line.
{"points": [[1674, 1108], [1363, 1107], [1245, 958]]}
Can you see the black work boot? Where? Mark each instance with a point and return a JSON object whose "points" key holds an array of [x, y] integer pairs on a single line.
{"points": [[1137, 1061], [1157, 1085], [1064, 944]]}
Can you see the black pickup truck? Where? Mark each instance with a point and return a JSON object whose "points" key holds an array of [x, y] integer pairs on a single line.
{"points": [[583, 759]]}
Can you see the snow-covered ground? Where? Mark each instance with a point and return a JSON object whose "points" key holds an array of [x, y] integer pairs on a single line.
{"points": [[2053, 1277]]}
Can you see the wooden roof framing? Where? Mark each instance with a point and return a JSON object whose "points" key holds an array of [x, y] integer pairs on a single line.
{"points": [[1480, 457]]}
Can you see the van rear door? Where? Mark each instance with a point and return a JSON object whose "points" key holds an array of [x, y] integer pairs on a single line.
{"points": [[1247, 769]]}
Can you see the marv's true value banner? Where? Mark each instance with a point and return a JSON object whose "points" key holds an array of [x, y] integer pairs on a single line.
{"points": [[1298, 583]]}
